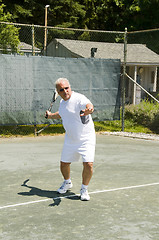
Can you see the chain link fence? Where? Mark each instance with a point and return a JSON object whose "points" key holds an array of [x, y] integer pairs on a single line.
{"points": [[145, 69], [150, 38], [37, 40]]}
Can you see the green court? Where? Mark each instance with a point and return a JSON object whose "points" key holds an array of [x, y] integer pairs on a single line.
{"points": [[124, 191]]}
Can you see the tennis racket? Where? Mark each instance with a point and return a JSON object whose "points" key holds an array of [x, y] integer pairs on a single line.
{"points": [[55, 95]]}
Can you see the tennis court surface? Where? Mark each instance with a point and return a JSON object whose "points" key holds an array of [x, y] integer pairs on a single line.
{"points": [[124, 191]]}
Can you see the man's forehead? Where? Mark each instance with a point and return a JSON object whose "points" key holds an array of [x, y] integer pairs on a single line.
{"points": [[64, 82]]}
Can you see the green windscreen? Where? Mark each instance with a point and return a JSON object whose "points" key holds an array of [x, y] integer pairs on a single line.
{"points": [[27, 86]]}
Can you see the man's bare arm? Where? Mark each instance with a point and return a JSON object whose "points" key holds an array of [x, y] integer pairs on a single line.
{"points": [[53, 115]]}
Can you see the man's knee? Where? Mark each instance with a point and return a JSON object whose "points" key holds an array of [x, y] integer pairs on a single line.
{"points": [[88, 165], [64, 164]]}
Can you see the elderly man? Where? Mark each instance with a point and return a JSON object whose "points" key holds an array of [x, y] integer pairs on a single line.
{"points": [[75, 110]]}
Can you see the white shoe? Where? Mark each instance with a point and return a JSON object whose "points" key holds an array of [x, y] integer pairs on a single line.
{"points": [[84, 195], [65, 187]]}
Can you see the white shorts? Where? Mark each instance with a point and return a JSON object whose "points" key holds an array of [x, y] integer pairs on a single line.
{"points": [[72, 152]]}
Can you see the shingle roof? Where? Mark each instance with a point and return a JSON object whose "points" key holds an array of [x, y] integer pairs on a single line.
{"points": [[27, 47], [136, 53]]}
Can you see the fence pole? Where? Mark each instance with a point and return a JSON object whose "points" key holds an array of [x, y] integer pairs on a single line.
{"points": [[33, 40], [45, 31], [123, 79]]}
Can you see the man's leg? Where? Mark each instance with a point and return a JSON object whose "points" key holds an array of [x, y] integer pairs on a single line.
{"points": [[87, 172], [86, 177], [65, 170], [67, 184]]}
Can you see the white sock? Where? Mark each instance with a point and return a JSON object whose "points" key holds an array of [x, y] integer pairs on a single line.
{"points": [[68, 180], [84, 186]]}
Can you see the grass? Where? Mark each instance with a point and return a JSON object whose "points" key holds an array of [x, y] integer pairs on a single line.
{"points": [[141, 118], [145, 114], [110, 126], [115, 126]]}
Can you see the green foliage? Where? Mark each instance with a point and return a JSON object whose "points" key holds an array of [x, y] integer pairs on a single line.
{"points": [[68, 13], [91, 14], [148, 17], [85, 36], [146, 114], [28, 130], [141, 118], [22, 11], [115, 126], [109, 126], [9, 36], [110, 14]]}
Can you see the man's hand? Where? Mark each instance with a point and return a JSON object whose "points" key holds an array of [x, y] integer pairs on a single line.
{"points": [[87, 111], [47, 114]]}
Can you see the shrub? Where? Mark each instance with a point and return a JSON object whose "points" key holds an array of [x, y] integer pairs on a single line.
{"points": [[145, 113]]}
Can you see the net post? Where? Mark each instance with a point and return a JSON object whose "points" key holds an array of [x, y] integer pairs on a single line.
{"points": [[35, 130], [123, 79]]}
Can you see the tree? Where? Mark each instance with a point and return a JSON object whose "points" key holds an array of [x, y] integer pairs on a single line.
{"points": [[21, 10], [8, 33], [148, 16], [68, 13], [91, 14], [64, 13], [110, 14], [118, 14]]}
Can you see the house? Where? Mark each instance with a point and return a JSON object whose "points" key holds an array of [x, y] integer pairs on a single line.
{"points": [[142, 63], [24, 49], [27, 49]]}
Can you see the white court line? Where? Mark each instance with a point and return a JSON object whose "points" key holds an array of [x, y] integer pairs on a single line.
{"points": [[71, 196]]}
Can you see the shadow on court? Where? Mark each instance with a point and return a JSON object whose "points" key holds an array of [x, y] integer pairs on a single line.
{"points": [[56, 197], [124, 191]]}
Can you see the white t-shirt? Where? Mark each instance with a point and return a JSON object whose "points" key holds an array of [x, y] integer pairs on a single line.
{"points": [[76, 131]]}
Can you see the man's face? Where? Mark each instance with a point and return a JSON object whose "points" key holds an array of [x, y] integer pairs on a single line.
{"points": [[64, 90]]}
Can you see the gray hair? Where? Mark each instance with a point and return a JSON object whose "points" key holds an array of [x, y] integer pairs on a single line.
{"points": [[59, 80]]}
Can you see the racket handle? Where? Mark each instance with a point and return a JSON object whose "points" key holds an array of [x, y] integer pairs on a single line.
{"points": [[46, 115]]}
